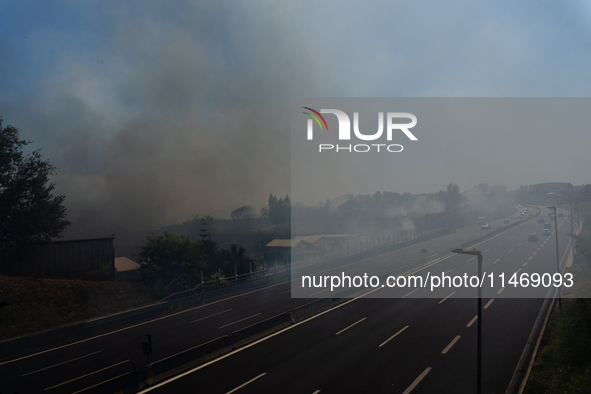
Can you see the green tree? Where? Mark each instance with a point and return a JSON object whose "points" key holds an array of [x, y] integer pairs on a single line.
{"points": [[29, 212], [349, 208], [172, 263], [244, 217], [453, 198], [236, 256]]}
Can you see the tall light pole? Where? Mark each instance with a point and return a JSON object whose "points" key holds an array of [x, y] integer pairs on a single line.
{"points": [[572, 226], [557, 258], [479, 327]]}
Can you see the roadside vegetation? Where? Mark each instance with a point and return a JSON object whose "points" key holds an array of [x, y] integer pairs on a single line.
{"points": [[29, 305], [171, 263], [563, 363]]}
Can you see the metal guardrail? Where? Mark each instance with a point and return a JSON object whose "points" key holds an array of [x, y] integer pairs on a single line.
{"points": [[406, 238], [162, 369]]}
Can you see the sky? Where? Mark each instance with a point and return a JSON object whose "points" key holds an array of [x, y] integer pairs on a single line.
{"points": [[156, 111]]}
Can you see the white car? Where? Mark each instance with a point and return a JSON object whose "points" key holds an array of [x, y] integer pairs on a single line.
{"points": [[486, 226]]}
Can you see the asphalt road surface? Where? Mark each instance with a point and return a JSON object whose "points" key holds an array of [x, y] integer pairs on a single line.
{"points": [[422, 342]]}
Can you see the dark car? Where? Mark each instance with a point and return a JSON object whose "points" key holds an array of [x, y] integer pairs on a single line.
{"points": [[533, 238], [506, 221]]}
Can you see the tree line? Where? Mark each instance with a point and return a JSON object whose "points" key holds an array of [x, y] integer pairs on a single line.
{"points": [[171, 263]]}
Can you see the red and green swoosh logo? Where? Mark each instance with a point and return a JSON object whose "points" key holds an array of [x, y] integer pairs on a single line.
{"points": [[316, 118]]}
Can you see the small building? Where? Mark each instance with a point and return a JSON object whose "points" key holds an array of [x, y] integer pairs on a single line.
{"points": [[126, 268], [69, 258], [305, 246]]}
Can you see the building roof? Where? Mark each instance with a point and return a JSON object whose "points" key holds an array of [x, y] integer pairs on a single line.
{"points": [[312, 239], [284, 243], [125, 264]]}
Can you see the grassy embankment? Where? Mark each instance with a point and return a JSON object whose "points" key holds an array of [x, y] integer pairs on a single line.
{"points": [[563, 363], [29, 305]]}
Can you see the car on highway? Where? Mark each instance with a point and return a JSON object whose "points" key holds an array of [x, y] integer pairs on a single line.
{"points": [[530, 213], [486, 226], [547, 226], [546, 232], [533, 238], [506, 221]]}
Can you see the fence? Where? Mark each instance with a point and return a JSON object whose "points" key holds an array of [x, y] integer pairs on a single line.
{"points": [[365, 247], [66, 258]]}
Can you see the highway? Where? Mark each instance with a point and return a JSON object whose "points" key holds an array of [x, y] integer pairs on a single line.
{"points": [[424, 342]]}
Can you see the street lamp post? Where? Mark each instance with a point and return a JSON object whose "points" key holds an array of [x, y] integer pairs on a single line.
{"points": [[572, 226], [479, 326], [557, 257]]}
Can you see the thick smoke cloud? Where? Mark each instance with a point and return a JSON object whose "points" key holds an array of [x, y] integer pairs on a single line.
{"points": [[156, 111], [167, 116]]}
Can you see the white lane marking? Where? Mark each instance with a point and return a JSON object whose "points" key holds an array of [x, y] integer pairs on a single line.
{"points": [[142, 323], [449, 270], [389, 259], [83, 376], [499, 243], [447, 297], [417, 380], [373, 272], [496, 261], [472, 321], [470, 259], [346, 328], [487, 250], [55, 365], [318, 292], [207, 317], [406, 295], [275, 334], [450, 344], [178, 313], [316, 392], [254, 343], [242, 385], [534, 253], [500, 291], [488, 303], [520, 243], [285, 291], [510, 251], [524, 264], [530, 257], [238, 321], [186, 350], [98, 384], [393, 336], [516, 272]]}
